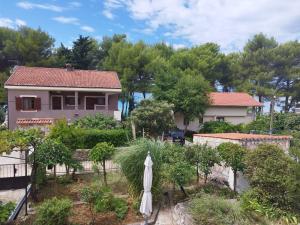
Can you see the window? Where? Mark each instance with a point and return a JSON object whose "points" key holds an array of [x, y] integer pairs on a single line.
{"points": [[91, 102], [28, 103], [70, 100], [56, 102], [220, 118]]}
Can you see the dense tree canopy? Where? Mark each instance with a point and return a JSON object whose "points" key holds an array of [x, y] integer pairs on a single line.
{"points": [[263, 68]]}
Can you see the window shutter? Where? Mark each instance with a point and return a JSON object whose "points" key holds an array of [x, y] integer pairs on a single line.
{"points": [[18, 103], [37, 104]]}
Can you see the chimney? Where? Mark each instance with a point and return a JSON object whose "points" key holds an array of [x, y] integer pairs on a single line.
{"points": [[69, 67]]}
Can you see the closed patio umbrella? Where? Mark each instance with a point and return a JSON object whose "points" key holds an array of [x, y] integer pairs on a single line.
{"points": [[146, 204]]}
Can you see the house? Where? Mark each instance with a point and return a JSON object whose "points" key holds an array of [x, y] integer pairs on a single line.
{"points": [[250, 141], [38, 96], [232, 107]]}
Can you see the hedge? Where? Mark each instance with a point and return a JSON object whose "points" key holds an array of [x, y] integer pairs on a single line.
{"points": [[89, 138]]}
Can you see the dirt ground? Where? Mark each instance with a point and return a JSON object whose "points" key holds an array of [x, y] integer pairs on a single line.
{"points": [[80, 213]]}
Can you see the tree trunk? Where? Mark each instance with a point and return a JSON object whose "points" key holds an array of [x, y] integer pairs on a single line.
{"points": [[104, 173], [183, 191], [259, 109], [131, 103], [286, 104], [234, 180], [133, 130], [198, 175], [54, 173], [123, 105]]}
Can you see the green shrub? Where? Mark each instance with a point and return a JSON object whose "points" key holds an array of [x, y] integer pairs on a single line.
{"points": [[101, 199], [98, 121], [120, 207], [274, 176], [219, 127], [212, 210], [89, 138], [5, 211], [53, 212]]}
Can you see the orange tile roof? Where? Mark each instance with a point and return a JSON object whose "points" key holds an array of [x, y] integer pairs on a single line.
{"points": [[232, 99], [59, 77], [242, 136], [35, 121]]}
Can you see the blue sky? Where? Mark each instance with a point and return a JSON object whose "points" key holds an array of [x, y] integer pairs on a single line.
{"points": [[230, 23]]}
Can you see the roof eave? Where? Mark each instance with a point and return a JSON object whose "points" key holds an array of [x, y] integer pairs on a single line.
{"points": [[47, 88]]}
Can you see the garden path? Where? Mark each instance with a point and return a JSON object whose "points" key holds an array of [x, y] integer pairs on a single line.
{"points": [[165, 217]]}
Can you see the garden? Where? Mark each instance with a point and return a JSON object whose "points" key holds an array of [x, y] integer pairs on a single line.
{"points": [[183, 173]]}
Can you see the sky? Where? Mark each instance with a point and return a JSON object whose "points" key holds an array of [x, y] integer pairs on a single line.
{"points": [[180, 23]]}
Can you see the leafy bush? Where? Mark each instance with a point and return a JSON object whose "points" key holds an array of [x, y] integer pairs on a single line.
{"points": [[53, 212], [120, 207], [5, 211], [101, 199], [89, 138], [219, 127], [132, 165], [97, 121], [212, 210], [274, 176]]}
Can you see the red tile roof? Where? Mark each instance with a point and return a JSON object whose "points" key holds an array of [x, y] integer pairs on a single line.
{"points": [[58, 77], [35, 121], [241, 136], [233, 99]]}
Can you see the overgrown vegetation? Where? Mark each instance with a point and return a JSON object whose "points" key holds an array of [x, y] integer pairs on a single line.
{"points": [[101, 199], [5, 211], [132, 165], [214, 210]]}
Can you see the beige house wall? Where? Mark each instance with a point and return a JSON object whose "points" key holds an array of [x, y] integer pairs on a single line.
{"points": [[234, 115]]}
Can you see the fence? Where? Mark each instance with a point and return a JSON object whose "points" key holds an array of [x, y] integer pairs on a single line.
{"points": [[18, 170], [87, 167], [14, 170]]}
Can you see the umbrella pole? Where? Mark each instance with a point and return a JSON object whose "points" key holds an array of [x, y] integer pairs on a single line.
{"points": [[146, 220]]}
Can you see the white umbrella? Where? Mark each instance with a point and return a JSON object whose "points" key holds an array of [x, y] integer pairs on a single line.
{"points": [[146, 204]]}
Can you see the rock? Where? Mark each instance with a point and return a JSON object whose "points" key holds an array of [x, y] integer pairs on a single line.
{"points": [[181, 216]]}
